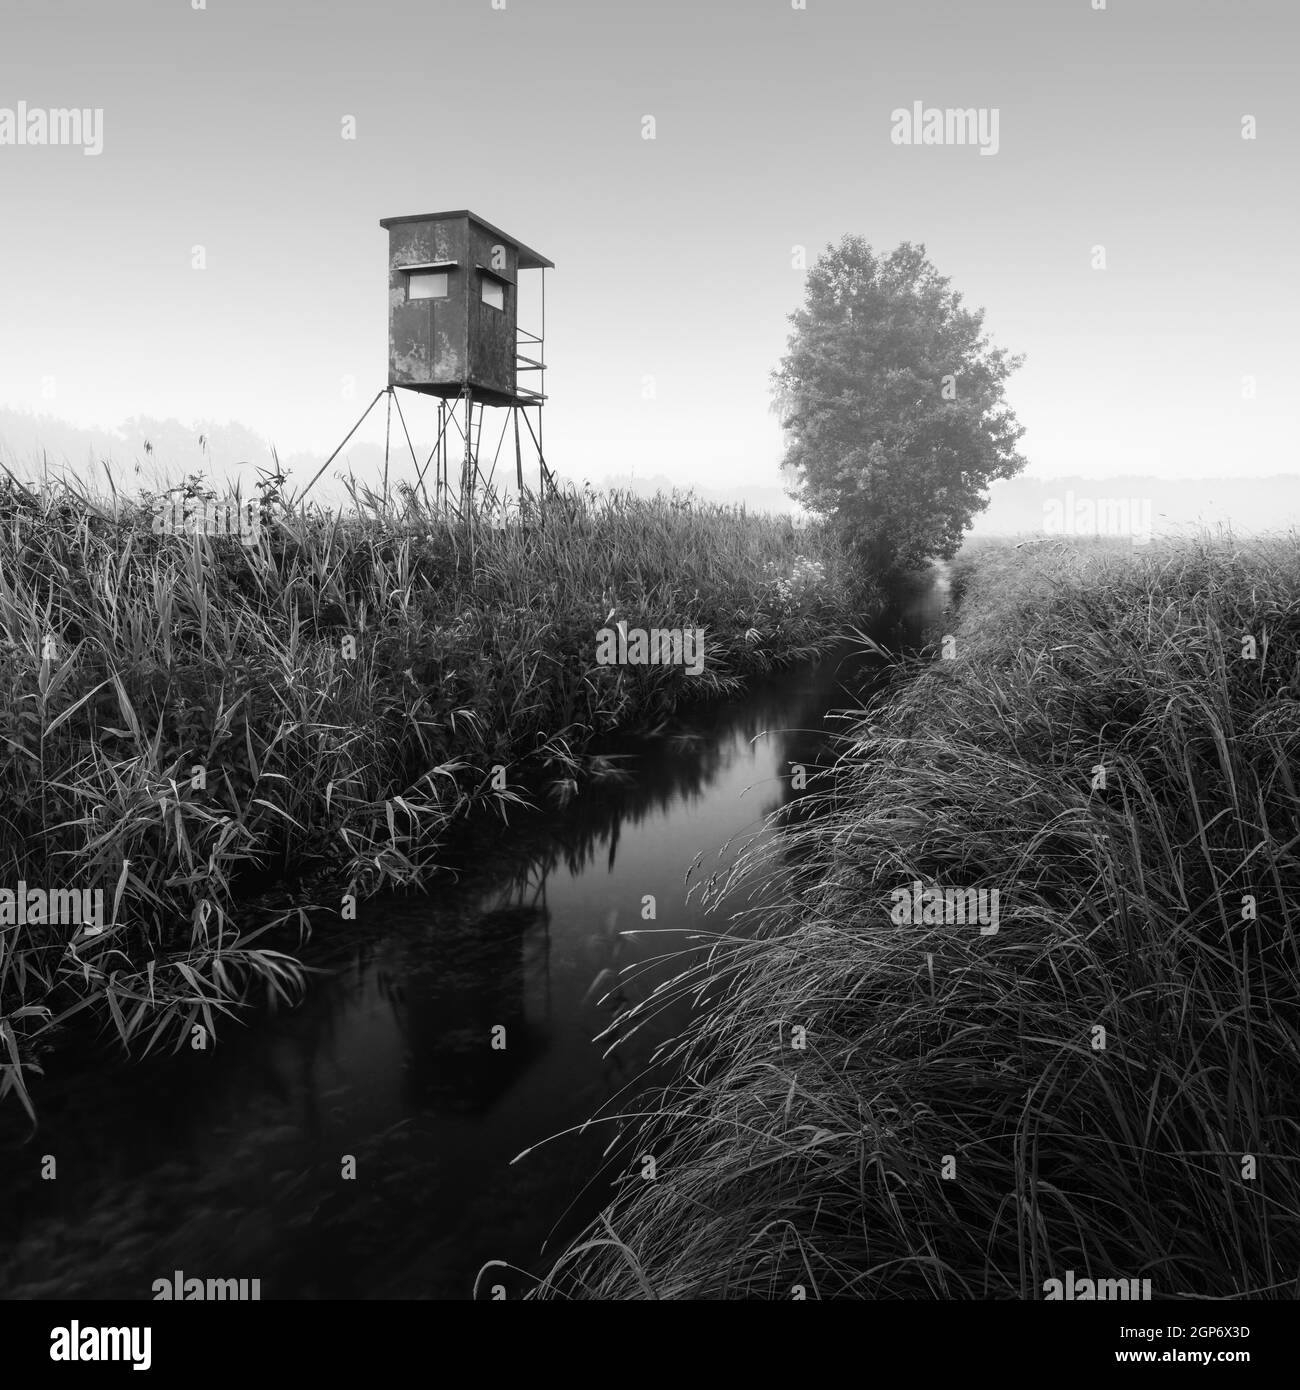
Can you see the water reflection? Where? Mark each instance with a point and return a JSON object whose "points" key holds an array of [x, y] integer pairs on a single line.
{"points": [[232, 1163]]}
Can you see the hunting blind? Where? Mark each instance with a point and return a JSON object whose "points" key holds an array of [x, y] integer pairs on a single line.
{"points": [[453, 334]]}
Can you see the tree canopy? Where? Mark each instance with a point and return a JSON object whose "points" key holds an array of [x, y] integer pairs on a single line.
{"points": [[893, 404]]}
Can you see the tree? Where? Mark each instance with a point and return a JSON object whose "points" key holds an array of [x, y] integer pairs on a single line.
{"points": [[892, 402]]}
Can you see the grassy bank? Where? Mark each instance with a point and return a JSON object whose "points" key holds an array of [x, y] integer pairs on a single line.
{"points": [[187, 718], [1109, 1083]]}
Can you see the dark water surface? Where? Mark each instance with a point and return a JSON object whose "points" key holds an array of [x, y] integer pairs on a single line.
{"points": [[228, 1163]]}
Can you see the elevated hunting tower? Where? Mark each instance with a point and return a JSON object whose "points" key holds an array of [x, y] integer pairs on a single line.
{"points": [[452, 305], [453, 334]]}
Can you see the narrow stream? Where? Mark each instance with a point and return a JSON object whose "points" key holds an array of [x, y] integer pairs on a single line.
{"points": [[229, 1163]]}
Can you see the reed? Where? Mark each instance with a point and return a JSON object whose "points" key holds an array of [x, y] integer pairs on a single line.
{"points": [[186, 720], [957, 1125]]}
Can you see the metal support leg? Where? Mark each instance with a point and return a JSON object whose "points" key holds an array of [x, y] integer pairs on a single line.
{"points": [[341, 447], [388, 430]]}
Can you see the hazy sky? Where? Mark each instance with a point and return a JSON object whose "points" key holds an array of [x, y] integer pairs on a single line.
{"points": [[222, 128]]}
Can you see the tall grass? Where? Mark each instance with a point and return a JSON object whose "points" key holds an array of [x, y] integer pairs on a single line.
{"points": [[1163, 1148], [184, 718]]}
